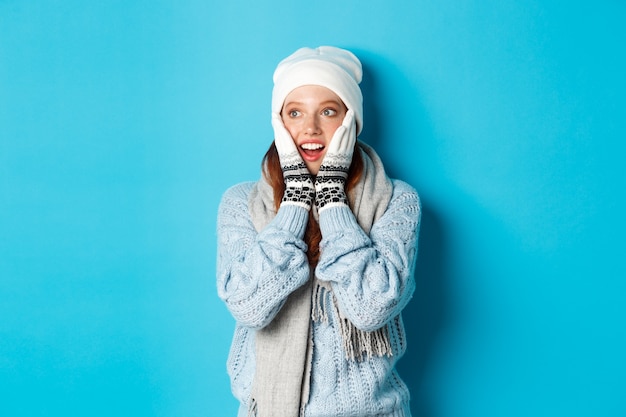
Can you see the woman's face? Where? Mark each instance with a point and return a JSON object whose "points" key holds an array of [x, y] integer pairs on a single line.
{"points": [[311, 114]]}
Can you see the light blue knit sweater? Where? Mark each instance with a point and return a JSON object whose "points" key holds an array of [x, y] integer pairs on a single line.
{"points": [[371, 278]]}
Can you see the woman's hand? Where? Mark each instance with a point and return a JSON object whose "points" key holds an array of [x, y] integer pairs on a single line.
{"points": [[332, 175], [299, 188]]}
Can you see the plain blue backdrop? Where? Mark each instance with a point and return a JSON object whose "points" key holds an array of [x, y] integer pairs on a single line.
{"points": [[123, 122]]}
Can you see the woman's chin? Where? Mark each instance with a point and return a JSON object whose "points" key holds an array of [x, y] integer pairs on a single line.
{"points": [[313, 167]]}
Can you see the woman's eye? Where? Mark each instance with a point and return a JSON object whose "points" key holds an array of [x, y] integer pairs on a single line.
{"points": [[329, 112], [294, 113]]}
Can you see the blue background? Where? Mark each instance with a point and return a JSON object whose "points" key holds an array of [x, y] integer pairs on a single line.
{"points": [[122, 123]]}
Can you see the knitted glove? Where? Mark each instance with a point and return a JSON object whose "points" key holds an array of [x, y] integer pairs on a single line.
{"points": [[299, 189], [332, 175]]}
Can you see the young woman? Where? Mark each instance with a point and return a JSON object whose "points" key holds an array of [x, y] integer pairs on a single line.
{"points": [[316, 258]]}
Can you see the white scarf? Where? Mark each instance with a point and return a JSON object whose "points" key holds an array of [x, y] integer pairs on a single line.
{"points": [[283, 348]]}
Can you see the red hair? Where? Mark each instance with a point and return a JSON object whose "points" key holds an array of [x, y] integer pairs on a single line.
{"points": [[274, 176]]}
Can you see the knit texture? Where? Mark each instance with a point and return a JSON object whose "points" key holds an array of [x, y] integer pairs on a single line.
{"points": [[299, 187], [333, 172], [281, 381], [371, 278]]}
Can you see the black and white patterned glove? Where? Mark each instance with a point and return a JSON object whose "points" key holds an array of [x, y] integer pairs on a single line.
{"points": [[299, 188], [331, 178]]}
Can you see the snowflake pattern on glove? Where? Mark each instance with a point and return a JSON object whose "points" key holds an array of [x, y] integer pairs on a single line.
{"points": [[329, 185], [299, 187]]}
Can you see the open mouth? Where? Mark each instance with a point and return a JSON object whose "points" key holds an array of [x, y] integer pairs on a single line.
{"points": [[312, 149]]}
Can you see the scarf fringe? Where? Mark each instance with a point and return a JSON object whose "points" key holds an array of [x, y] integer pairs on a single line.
{"points": [[252, 408], [358, 345]]}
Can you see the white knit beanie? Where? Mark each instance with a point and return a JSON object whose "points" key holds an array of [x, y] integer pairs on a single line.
{"points": [[337, 69]]}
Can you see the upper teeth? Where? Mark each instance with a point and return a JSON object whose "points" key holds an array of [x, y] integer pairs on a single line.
{"points": [[312, 146]]}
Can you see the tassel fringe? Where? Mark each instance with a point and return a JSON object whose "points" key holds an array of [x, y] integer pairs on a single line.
{"points": [[252, 409], [358, 345]]}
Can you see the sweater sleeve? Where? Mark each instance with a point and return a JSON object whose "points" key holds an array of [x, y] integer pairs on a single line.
{"points": [[256, 271], [371, 276]]}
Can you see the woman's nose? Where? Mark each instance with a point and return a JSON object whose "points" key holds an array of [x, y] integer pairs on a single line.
{"points": [[312, 126]]}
